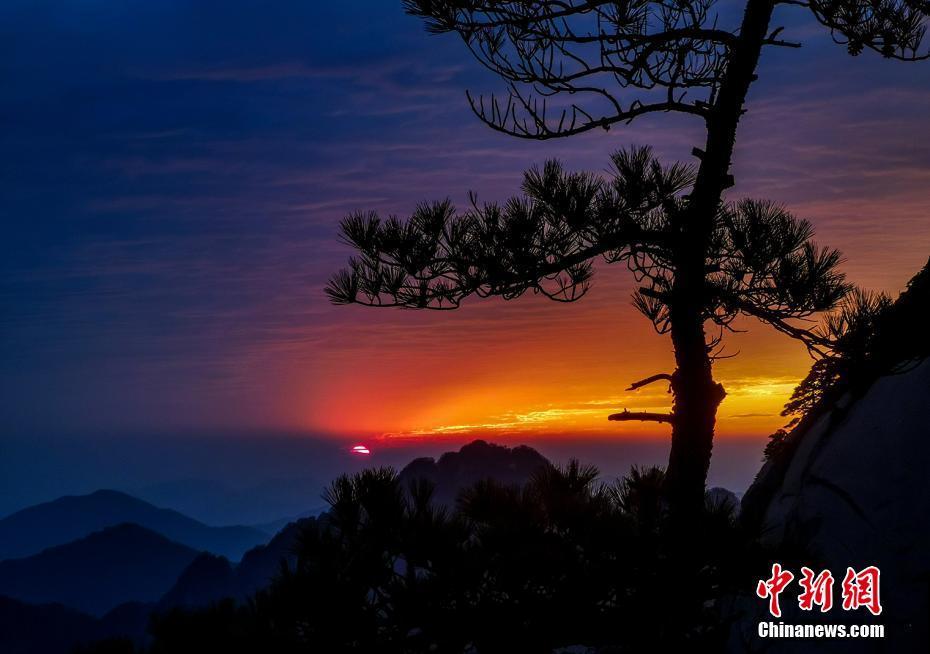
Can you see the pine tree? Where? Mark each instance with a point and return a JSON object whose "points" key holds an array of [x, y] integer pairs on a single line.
{"points": [[578, 65]]}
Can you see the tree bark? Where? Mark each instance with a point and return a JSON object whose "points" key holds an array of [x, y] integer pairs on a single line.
{"points": [[697, 395]]}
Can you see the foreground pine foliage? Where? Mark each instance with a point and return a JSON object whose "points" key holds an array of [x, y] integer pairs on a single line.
{"points": [[565, 560]]}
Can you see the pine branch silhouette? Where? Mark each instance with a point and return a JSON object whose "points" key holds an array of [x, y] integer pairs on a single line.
{"points": [[700, 260]]}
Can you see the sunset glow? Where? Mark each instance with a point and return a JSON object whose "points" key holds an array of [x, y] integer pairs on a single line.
{"points": [[503, 386], [183, 289]]}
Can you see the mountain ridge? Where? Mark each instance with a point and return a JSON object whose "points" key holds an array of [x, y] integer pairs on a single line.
{"points": [[71, 517], [97, 573]]}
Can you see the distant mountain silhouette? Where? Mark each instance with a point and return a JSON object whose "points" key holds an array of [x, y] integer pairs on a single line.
{"points": [[59, 591], [210, 578], [474, 462], [274, 526], [68, 518], [97, 573], [57, 629]]}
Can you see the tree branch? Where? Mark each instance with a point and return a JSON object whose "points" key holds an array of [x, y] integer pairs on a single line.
{"points": [[816, 345], [543, 241], [611, 62], [641, 416], [571, 121], [649, 380]]}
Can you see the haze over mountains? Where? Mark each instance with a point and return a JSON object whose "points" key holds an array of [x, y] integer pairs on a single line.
{"points": [[83, 568], [218, 503], [99, 572], [63, 520], [250, 479]]}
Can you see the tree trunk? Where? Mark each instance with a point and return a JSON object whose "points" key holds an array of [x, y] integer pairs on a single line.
{"points": [[697, 395]]}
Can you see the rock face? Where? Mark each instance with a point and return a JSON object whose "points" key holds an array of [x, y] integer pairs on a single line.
{"points": [[856, 492]]}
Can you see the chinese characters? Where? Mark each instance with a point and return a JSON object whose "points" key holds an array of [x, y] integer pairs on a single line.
{"points": [[859, 589]]}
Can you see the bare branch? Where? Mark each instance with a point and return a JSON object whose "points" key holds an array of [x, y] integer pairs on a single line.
{"points": [[650, 380], [641, 416], [781, 43], [577, 65], [816, 344]]}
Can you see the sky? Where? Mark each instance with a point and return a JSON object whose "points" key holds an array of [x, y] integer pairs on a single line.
{"points": [[173, 180]]}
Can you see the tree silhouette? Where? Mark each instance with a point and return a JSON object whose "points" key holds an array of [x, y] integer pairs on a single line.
{"points": [[870, 336], [563, 560], [577, 65]]}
